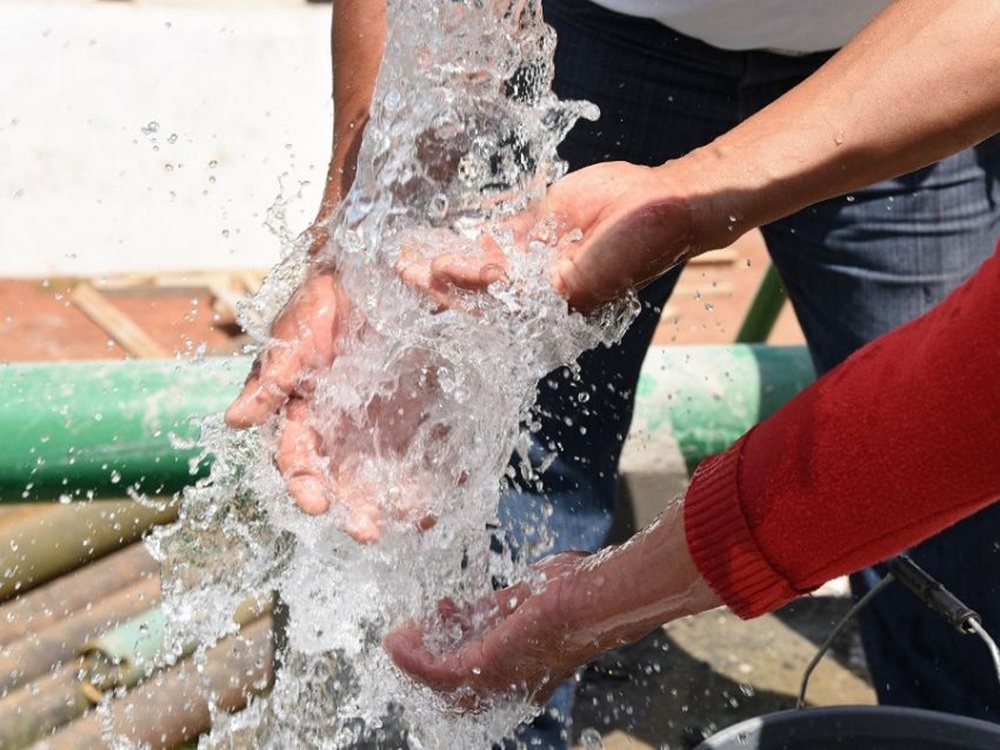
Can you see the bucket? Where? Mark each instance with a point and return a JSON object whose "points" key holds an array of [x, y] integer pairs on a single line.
{"points": [[858, 728]]}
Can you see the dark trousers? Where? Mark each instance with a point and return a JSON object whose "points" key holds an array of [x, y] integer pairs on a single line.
{"points": [[854, 267]]}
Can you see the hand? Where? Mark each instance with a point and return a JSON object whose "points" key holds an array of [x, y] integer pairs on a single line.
{"points": [[306, 336], [619, 225], [636, 223], [528, 638], [519, 642], [324, 457]]}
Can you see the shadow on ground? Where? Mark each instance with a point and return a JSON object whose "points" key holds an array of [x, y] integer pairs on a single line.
{"points": [[697, 676]]}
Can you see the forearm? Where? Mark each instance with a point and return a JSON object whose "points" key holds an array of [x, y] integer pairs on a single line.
{"points": [[899, 442], [357, 41], [918, 84], [623, 592]]}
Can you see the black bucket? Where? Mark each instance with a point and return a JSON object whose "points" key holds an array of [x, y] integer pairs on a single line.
{"points": [[857, 728]]}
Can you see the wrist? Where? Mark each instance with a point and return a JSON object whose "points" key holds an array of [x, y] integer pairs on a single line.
{"points": [[622, 593], [721, 196]]}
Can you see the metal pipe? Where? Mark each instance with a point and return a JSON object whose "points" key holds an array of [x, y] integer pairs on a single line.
{"points": [[175, 707], [25, 659], [85, 429], [96, 429], [62, 538], [764, 309], [38, 708], [39, 608], [694, 401]]}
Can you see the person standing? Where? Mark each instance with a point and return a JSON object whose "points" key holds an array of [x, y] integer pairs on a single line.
{"points": [[671, 76]]}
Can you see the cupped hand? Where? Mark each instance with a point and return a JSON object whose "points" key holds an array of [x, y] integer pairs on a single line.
{"points": [[306, 338], [322, 456], [521, 642], [619, 226]]}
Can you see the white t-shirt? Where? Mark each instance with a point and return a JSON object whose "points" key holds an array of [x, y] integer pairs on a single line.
{"points": [[794, 26]]}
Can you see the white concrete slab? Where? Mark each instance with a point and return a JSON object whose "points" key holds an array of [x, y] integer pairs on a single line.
{"points": [[155, 135]]}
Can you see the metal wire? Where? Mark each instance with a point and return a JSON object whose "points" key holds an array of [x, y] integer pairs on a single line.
{"points": [[978, 629], [968, 624], [800, 702]]}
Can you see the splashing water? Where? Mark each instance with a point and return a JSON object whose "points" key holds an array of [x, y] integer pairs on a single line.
{"points": [[423, 405]]}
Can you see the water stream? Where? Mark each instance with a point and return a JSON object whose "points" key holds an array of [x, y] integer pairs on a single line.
{"points": [[429, 404]]}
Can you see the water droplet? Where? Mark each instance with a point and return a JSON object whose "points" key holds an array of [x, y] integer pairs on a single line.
{"points": [[151, 127], [213, 164], [590, 739]]}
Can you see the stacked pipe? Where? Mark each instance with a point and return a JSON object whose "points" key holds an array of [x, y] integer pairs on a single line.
{"points": [[75, 587], [79, 622], [94, 635]]}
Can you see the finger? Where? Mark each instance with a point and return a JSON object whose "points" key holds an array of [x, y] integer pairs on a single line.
{"points": [[416, 274], [267, 389], [471, 273], [300, 462], [235, 415], [364, 524], [574, 284], [441, 673], [512, 597]]}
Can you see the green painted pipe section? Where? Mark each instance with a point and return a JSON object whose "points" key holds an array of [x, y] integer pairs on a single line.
{"points": [[96, 428], [124, 655], [127, 654], [764, 309], [694, 401]]}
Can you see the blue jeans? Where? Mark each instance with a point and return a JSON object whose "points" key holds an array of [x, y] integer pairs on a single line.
{"points": [[854, 268]]}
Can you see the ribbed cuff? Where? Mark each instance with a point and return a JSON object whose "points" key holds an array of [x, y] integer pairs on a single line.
{"points": [[722, 545]]}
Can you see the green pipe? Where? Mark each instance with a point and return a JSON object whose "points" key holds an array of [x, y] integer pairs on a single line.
{"points": [[694, 401], [86, 429], [764, 309]]}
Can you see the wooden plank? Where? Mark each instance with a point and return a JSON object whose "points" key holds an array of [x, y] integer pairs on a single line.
{"points": [[117, 324], [725, 256], [225, 301], [718, 289]]}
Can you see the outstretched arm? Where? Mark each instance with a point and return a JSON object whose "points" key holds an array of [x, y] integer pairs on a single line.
{"points": [[305, 340], [899, 442], [919, 83], [357, 41], [309, 332]]}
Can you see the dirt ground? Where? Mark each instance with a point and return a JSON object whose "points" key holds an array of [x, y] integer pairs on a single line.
{"points": [[40, 322], [670, 691]]}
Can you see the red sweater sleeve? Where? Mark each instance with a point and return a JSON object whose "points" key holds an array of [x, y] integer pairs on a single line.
{"points": [[895, 444]]}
